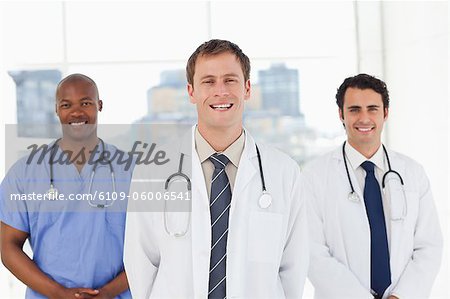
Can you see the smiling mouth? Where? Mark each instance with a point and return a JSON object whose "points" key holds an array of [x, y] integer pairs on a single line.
{"points": [[78, 123], [221, 107], [364, 130]]}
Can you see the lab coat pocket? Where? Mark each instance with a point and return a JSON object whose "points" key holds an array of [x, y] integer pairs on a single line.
{"points": [[404, 213], [264, 237], [176, 223], [412, 204], [396, 197]]}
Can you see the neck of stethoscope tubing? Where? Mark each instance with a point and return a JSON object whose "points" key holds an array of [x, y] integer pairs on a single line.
{"points": [[387, 158], [91, 179], [180, 165], [50, 162], [101, 158], [261, 172], [346, 168], [113, 182]]}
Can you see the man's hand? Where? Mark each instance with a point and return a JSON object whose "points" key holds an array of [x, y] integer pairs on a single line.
{"points": [[393, 297], [103, 294], [74, 293], [100, 295]]}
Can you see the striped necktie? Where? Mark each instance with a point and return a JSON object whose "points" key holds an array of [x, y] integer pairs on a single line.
{"points": [[220, 209], [380, 272]]}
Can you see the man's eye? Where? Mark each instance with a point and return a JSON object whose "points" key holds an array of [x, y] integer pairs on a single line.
{"points": [[230, 80], [208, 82], [86, 103], [64, 106]]}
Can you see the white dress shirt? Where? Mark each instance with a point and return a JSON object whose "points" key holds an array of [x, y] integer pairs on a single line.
{"points": [[355, 159]]}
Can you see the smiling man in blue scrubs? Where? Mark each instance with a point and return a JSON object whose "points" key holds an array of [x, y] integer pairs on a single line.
{"points": [[77, 244]]}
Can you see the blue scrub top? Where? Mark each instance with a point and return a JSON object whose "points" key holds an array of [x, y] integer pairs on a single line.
{"points": [[73, 243]]}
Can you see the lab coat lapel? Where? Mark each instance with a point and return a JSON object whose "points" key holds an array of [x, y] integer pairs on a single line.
{"points": [[353, 223], [245, 173], [343, 174], [201, 226], [396, 226]]}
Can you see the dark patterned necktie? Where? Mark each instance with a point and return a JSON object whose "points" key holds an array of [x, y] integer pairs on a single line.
{"points": [[219, 205], [380, 274]]}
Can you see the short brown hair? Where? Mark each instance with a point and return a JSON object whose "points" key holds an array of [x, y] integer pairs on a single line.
{"points": [[215, 47]]}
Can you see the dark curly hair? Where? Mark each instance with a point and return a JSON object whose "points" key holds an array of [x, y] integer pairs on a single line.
{"points": [[363, 81]]}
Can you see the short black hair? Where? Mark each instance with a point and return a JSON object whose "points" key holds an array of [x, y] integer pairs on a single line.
{"points": [[363, 81], [78, 77]]}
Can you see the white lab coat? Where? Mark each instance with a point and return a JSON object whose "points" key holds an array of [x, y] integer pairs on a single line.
{"points": [[340, 233], [267, 251]]}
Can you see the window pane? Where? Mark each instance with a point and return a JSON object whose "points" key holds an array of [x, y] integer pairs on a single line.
{"points": [[292, 29], [110, 31], [32, 32], [124, 87]]}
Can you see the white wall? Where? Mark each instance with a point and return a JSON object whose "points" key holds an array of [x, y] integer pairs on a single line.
{"points": [[406, 45], [416, 36]]}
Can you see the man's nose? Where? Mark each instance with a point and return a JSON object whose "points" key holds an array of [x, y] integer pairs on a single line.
{"points": [[76, 111], [221, 89], [364, 116]]}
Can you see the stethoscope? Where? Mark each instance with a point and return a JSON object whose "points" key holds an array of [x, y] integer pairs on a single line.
{"points": [[353, 196], [179, 173], [265, 200], [52, 193]]}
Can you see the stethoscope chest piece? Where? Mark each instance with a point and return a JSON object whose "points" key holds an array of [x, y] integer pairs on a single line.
{"points": [[52, 193], [353, 196], [265, 200]]}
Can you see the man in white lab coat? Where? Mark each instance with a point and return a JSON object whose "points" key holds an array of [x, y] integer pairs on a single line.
{"points": [[240, 241], [368, 241]]}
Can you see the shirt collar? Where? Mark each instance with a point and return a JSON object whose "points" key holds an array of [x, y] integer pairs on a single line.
{"points": [[233, 152], [356, 158]]}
